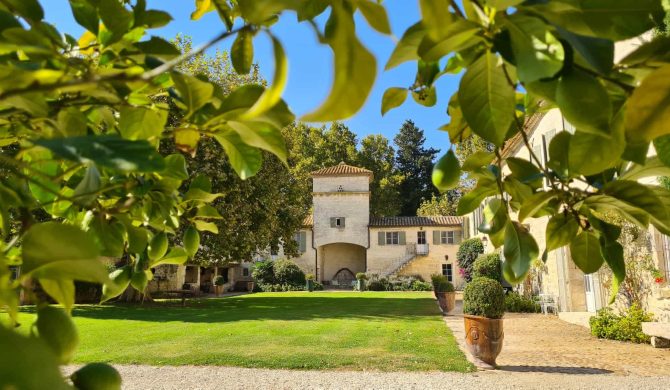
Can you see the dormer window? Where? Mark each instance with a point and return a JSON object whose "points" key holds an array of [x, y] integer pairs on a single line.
{"points": [[337, 222]]}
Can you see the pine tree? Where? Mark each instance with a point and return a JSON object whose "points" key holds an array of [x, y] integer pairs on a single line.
{"points": [[415, 162]]}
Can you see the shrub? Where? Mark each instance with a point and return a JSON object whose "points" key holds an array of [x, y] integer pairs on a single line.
{"points": [[418, 285], [466, 255], [286, 272], [444, 286], [488, 266], [219, 280], [263, 272], [624, 327], [516, 303], [361, 276], [484, 297], [309, 277], [435, 279], [378, 284]]}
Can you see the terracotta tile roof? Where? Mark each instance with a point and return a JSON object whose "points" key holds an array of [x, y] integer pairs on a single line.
{"points": [[516, 142], [343, 169], [415, 221], [308, 221]]}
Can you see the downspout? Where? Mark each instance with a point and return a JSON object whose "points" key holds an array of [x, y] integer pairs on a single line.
{"points": [[316, 256]]}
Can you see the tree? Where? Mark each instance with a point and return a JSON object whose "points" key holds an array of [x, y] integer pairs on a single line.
{"points": [[377, 155], [416, 164]]}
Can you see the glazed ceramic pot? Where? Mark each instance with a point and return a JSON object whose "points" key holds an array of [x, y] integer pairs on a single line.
{"points": [[484, 337]]}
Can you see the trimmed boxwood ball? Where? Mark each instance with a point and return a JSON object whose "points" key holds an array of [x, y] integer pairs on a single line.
{"points": [[484, 297], [488, 266], [466, 255]]}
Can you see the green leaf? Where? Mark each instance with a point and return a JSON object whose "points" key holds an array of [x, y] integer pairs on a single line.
{"points": [[520, 251], [207, 212], [86, 14], [116, 18], [194, 92], [561, 230], [191, 241], [201, 182], [242, 52], [648, 109], [426, 97], [597, 53], [611, 19], [158, 246], [28, 9], [177, 255], [355, 70], [200, 195], [525, 171], [62, 290], [477, 160], [585, 252], [107, 151], [487, 99], [119, 281], [272, 95], [537, 51], [158, 47], [236, 105], [407, 48], [473, 199], [654, 167], [138, 238], [495, 217], [460, 34], [393, 97], [204, 226], [375, 14], [662, 146], [244, 159], [614, 257], [447, 172], [436, 17], [534, 204], [86, 190], [110, 234], [175, 167], [644, 198], [584, 102], [48, 252], [72, 122], [261, 135], [140, 279], [140, 123], [519, 191], [590, 153], [559, 153]]}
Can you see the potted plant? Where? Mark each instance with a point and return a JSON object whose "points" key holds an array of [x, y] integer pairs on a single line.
{"points": [[309, 280], [218, 285], [483, 309], [250, 286], [446, 294], [361, 277], [434, 280]]}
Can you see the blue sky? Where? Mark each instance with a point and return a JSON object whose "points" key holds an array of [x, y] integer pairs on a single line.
{"points": [[310, 64]]}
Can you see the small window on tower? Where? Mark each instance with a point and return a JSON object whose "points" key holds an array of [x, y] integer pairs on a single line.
{"points": [[339, 222]]}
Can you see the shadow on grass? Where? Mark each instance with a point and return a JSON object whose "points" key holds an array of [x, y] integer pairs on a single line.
{"points": [[265, 308], [557, 370]]}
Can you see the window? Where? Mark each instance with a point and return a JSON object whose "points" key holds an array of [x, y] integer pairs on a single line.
{"points": [[301, 240], [337, 222], [392, 238], [447, 237], [245, 271], [274, 252], [421, 237], [448, 271]]}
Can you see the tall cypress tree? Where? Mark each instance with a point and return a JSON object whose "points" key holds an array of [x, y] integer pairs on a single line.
{"points": [[415, 162]]}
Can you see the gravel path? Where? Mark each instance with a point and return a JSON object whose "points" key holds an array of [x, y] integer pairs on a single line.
{"points": [[199, 377]]}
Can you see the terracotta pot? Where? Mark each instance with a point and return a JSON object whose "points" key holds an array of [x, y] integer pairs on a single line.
{"points": [[218, 290], [446, 300], [484, 337], [435, 292], [310, 285], [250, 286]]}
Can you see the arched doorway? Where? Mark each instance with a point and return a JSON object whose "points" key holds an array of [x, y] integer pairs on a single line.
{"points": [[344, 277], [339, 263]]}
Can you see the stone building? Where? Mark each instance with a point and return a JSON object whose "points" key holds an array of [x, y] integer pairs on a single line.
{"points": [[340, 238]]}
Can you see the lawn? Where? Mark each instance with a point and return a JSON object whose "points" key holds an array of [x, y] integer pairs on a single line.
{"points": [[358, 331]]}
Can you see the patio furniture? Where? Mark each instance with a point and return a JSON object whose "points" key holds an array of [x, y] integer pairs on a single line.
{"points": [[548, 303], [179, 294]]}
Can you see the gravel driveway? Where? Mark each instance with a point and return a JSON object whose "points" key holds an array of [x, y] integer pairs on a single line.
{"points": [[199, 377]]}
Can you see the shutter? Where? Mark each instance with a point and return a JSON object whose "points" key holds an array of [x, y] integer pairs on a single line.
{"points": [[342, 221], [436, 237], [458, 236], [401, 238], [332, 222], [303, 242], [381, 238], [466, 227]]}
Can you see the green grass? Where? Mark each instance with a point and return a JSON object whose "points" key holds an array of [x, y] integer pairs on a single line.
{"points": [[358, 331]]}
